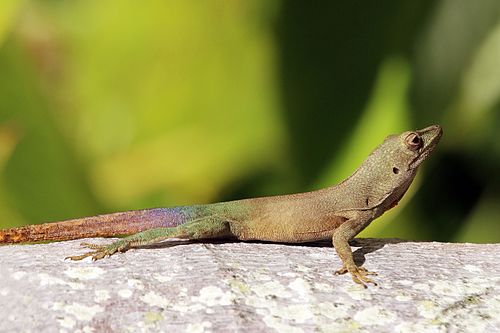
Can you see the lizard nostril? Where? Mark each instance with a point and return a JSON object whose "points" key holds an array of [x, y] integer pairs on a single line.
{"points": [[395, 170]]}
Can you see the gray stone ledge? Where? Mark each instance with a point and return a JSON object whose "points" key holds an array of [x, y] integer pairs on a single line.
{"points": [[251, 287]]}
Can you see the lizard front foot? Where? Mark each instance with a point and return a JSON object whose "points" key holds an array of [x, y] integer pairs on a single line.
{"points": [[358, 273], [101, 251]]}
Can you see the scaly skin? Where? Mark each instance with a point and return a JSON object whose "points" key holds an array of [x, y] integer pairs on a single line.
{"points": [[339, 212]]}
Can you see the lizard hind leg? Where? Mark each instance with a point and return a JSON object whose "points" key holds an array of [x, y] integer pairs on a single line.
{"points": [[206, 227]]}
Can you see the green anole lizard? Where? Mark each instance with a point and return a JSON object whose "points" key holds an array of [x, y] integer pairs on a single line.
{"points": [[338, 212]]}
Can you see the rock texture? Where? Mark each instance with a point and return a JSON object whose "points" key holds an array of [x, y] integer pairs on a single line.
{"points": [[251, 287]]}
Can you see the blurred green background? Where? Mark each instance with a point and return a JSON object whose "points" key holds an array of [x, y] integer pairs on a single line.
{"points": [[116, 105]]}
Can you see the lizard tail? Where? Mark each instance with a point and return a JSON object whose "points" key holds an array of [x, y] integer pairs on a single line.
{"points": [[108, 225]]}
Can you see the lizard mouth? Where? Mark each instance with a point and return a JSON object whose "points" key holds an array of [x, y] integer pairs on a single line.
{"points": [[430, 137]]}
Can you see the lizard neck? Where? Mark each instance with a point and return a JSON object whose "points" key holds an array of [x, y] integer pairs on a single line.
{"points": [[377, 184]]}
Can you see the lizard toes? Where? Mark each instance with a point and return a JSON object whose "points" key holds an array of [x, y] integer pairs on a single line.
{"points": [[364, 271], [359, 275], [92, 246], [79, 257], [99, 255], [365, 279], [358, 281]]}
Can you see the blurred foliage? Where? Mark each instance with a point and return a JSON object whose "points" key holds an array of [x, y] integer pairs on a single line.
{"points": [[117, 105]]}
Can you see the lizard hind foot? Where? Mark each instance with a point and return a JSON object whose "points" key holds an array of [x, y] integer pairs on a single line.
{"points": [[101, 251]]}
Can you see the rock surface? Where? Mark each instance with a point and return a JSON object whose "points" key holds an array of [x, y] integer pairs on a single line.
{"points": [[251, 287]]}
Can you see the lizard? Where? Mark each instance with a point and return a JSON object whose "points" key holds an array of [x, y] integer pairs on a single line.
{"points": [[337, 212]]}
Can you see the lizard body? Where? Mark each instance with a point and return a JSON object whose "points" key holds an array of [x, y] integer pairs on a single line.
{"points": [[338, 212]]}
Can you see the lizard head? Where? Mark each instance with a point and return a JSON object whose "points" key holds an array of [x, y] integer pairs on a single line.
{"points": [[406, 151], [400, 155], [417, 145]]}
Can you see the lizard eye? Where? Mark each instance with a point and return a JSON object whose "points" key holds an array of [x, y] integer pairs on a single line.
{"points": [[413, 141]]}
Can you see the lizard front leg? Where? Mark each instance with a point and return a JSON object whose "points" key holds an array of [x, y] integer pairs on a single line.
{"points": [[208, 227], [340, 239]]}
